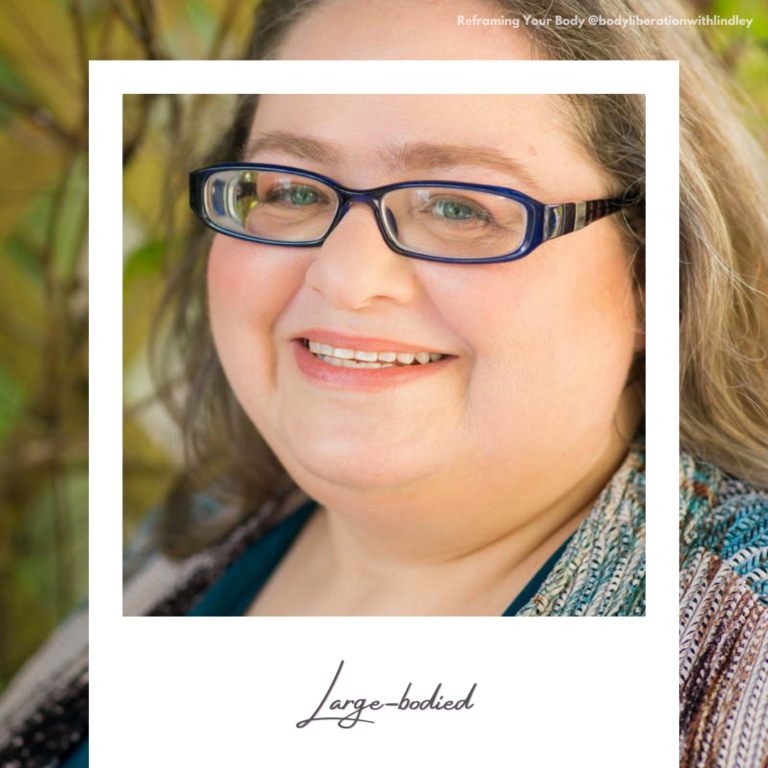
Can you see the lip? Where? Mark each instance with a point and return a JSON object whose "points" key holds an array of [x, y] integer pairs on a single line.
{"points": [[369, 379], [362, 343]]}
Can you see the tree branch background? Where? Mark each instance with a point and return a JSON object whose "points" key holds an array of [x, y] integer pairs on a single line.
{"points": [[45, 46]]}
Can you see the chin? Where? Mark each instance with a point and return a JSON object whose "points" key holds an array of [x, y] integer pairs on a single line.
{"points": [[358, 454], [353, 465]]}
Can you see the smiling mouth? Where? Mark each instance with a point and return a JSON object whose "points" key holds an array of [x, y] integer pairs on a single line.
{"points": [[356, 358]]}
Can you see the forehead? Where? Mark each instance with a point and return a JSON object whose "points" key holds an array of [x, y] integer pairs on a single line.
{"points": [[365, 120], [363, 130], [490, 115]]}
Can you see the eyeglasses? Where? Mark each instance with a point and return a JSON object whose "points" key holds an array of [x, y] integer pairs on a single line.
{"points": [[432, 220]]}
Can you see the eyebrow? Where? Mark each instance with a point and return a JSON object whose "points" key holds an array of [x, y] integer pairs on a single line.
{"points": [[293, 144], [430, 156], [422, 155]]}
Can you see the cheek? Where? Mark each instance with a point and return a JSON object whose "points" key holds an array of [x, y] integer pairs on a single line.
{"points": [[248, 287], [554, 335], [241, 286]]}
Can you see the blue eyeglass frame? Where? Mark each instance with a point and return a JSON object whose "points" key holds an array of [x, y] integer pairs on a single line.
{"points": [[543, 222]]}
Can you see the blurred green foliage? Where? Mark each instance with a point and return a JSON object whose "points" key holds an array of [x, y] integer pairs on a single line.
{"points": [[744, 51], [45, 46]]}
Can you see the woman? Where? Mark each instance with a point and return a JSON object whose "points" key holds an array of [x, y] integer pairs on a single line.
{"points": [[454, 393], [721, 223]]}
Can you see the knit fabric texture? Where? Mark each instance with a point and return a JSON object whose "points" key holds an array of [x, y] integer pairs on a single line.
{"points": [[723, 619], [602, 571]]}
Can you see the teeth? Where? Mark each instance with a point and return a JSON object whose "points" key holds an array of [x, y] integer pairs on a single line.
{"points": [[332, 360], [353, 363], [358, 358]]}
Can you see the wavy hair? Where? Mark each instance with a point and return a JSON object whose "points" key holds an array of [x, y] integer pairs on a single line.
{"points": [[723, 257]]}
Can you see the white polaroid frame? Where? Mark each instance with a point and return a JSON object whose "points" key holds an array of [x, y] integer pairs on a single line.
{"points": [[229, 692]]}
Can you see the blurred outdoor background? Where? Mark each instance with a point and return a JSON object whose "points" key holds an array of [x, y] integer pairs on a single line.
{"points": [[45, 46]]}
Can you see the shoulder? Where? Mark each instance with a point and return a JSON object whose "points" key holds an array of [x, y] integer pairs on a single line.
{"points": [[158, 585], [44, 709], [723, 617], [46, 703], [724, 516]]}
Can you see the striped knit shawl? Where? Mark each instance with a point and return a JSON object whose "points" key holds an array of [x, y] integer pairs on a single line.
{"points": [[723, 619]]}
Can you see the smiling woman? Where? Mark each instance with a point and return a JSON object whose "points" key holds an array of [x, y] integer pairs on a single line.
{"points": [[425, 314]]}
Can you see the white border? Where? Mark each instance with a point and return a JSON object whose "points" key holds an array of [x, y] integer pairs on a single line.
{"points": [[221, 691]]}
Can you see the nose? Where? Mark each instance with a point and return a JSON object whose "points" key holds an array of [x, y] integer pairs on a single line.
{"points": [[355, 268]]}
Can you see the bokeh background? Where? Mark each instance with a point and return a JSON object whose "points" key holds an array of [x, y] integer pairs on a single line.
{"points": [[45, 46]]}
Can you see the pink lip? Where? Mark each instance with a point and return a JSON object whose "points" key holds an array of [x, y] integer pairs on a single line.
{"points": [[370, 379], [361, 343]]}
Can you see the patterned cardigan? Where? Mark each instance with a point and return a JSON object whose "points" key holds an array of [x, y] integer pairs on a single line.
{"points": [[723, 623], [723, 619]]}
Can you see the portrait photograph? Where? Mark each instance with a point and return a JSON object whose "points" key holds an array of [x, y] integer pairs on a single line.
{"points": [[406, 346]]}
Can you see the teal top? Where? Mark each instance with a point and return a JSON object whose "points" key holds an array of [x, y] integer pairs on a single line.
{"points": [[238, 586], [79, 758]]}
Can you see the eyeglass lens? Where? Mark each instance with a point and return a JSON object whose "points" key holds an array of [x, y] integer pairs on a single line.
{"points": [[434, 221]]}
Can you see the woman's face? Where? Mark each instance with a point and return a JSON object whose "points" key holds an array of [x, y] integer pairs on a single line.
{"points": [[541, 346]]}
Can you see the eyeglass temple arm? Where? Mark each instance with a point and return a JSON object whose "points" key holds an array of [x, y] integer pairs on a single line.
{"points": [[568, 217]]}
